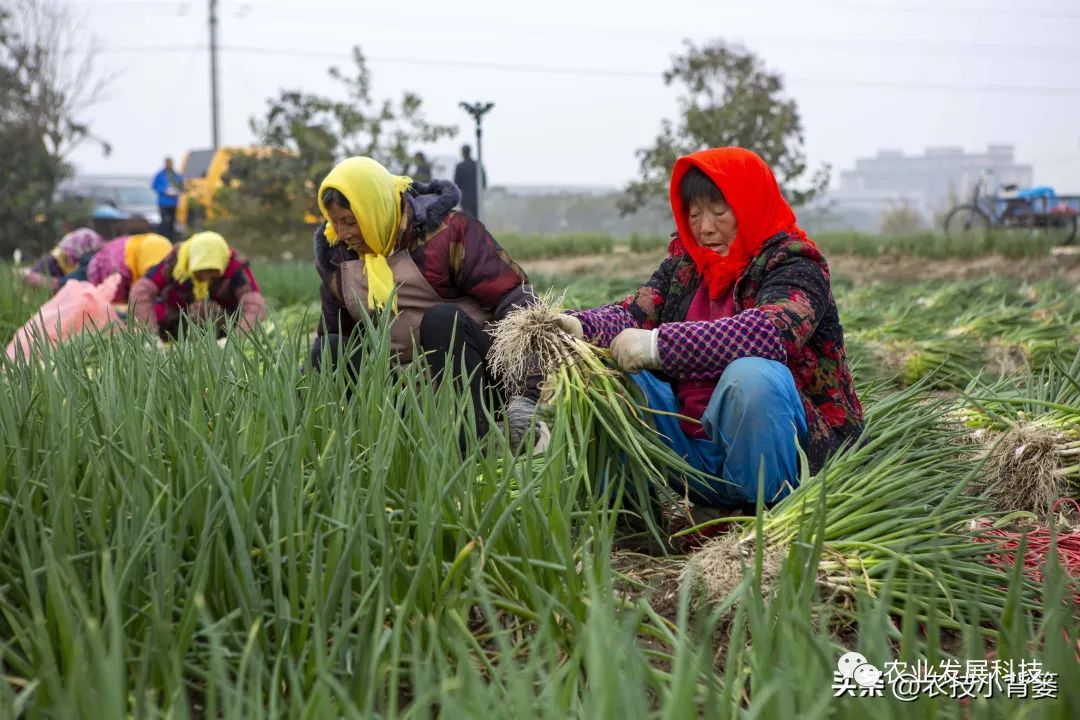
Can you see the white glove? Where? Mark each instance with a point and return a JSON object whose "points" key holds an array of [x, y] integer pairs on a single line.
{"points": [[636, 350], [221, 341], [570, 325]]}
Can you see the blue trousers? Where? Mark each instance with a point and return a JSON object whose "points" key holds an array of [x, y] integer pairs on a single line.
{"points": [[752, 420]]}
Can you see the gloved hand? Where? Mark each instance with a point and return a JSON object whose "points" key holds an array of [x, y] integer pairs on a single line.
{"points": [[636, 350], [570, 325], [519, 414]]}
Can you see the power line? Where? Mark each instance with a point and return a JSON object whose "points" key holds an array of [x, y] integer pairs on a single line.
{"points": [[913, 48], [147, 49], [842, 45], [183, 78], [942, 86], [849, 6], [296, 15], [832, 45], [937, 8], [612, 72], [180, 7]]}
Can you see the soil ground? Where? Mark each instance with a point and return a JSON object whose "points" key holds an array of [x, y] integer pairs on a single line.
{"points": [[1064, 262]]}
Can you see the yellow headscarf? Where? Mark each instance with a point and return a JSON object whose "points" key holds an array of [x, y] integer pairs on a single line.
{"points": [[142, 252], [202, 251], [63, 260], [374, 197]]}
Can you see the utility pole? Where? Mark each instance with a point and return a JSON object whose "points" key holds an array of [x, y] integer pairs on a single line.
{"points": [[478, 110], [213, 73]]}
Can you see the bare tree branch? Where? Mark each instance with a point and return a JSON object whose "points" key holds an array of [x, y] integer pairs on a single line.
{"points": [[58, 61]]}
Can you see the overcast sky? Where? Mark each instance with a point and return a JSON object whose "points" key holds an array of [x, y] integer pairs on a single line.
{"points": [[577, 83]]}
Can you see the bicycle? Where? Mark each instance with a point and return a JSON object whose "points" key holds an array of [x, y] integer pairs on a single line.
{"points": [[1014, 210]]}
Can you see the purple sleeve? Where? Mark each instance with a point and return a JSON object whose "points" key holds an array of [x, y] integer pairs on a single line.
{"points": [[602, 324], [43, 265], [108, 260], [701, 350]]}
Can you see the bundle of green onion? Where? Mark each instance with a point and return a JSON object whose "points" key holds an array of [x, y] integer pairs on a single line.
{"points": [[948, 360], [889, 513], [593, 407], [1030, 429]]}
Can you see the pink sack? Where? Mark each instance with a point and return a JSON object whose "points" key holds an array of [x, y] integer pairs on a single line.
{"points": [[79, 305]]}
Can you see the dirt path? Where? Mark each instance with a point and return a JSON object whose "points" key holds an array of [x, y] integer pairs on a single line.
{"points": [[1065, 262], [616, 264]]}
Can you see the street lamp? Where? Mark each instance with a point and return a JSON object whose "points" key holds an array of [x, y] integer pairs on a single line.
{"points": [[478, 110]]}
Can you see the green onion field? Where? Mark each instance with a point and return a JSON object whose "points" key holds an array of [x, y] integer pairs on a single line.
{"points": [[212, 532]]}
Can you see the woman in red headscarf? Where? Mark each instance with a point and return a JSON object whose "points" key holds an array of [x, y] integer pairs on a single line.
{"points": [[738, 329]]}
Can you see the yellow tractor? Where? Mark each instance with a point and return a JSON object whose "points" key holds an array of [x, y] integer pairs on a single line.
{"points": [[203, 172]]}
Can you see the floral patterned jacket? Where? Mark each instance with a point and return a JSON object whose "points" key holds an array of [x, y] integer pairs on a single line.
{"points": [[784, 310], [158, 301]]}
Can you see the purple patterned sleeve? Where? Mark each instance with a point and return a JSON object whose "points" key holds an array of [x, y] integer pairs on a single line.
{"points": [[603, 323], [109, 259], [700, 350]]}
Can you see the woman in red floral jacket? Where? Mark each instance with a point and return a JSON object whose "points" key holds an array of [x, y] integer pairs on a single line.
{"points": [[202, 279], [737, 328]]}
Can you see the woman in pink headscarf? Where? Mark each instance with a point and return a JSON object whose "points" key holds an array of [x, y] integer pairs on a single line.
{"points": [[131, 256], [71, 254]]}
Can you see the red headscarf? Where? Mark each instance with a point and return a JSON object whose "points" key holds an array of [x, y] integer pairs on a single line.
{"points": [[760, 210]]}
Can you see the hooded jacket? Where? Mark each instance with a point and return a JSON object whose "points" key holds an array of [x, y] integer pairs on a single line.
{"points": [[454, 252]]}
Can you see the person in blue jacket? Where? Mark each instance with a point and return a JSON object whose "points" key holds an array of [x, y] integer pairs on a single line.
{"points": [[168, 184]]}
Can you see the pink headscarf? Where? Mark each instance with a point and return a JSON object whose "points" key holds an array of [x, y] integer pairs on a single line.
{"points": [[80, 242]]}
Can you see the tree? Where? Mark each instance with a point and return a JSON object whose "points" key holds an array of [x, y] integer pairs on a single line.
{"points": [[56, 61], [901, 218], [729, 98], [324, 130], [263, 201], [46, 82], [310, 133], [943, 206]]}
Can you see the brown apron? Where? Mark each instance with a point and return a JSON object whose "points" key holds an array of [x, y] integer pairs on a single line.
{"points": [[414, 297]]}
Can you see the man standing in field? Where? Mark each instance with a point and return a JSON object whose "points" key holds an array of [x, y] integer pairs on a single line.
{"points": [[168, 184], [465, 179], [422, 173]]}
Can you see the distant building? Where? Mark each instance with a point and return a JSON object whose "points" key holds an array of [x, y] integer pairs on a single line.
{"points": [[927, 182], [935, 174]]}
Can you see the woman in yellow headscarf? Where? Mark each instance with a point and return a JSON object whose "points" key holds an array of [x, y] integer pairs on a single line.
{"points": [[131, 256], [202, 278], [390, 241]]}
